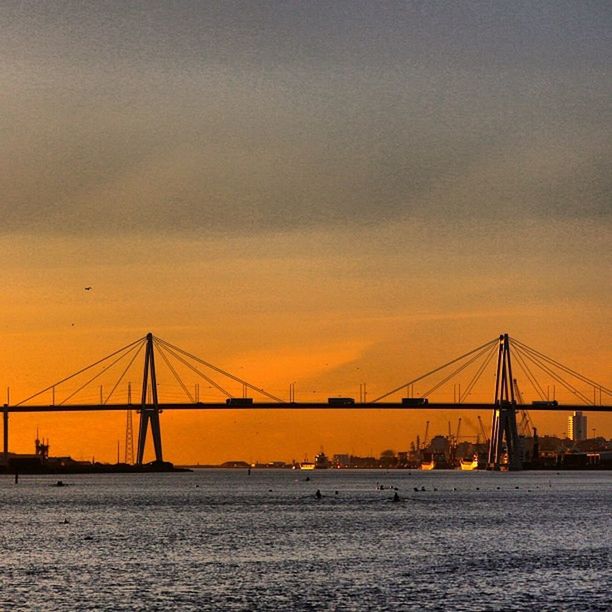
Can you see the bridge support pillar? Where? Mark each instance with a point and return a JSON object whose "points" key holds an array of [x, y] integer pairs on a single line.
{"points": [[149, 413], [5, 422], [503, 426]]}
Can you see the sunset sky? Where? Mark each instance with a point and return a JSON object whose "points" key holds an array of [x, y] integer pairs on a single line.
{"points": [[325, 193]]}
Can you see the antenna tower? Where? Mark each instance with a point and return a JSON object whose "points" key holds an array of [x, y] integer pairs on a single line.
{"points": [[129, 431]]}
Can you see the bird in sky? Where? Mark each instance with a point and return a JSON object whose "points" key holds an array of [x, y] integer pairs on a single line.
{"points": [[88, 288]]}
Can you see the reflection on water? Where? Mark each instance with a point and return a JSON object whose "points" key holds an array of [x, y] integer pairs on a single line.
{"points": [[217, 539]]}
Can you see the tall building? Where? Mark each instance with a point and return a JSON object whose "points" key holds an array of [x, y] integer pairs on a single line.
{"points": [[577, 427]]}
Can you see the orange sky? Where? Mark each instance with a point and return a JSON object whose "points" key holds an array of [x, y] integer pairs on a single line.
{"points": [[299, 193], [327, 322]]}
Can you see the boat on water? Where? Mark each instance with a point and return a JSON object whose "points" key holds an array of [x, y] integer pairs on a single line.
{"points": [[428, 465], [470, 464], [478, 461], [435, 461], [321, 462]]}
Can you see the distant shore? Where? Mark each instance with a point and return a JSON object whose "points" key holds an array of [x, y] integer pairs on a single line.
{"points": [[95, 468]]}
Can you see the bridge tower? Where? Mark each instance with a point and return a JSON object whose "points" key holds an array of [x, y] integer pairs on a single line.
{"points": [[149, 413], [503, 426]]}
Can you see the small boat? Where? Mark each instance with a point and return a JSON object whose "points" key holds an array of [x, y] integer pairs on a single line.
{"points": [[470, 464], [307, 465], [428, 462], [428, 465], [435, 461]]}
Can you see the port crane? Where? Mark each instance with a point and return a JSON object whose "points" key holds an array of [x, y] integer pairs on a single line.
{"points": [[526, 426], [482, 430], [426, 434], [454, 442]]}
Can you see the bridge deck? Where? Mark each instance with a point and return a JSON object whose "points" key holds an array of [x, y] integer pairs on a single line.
{"points": [[299, 406]]}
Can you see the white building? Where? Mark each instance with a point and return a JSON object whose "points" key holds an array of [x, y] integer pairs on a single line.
{"points": [[577, 427]]}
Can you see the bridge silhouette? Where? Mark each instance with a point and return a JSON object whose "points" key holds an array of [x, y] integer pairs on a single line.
{"points": [[504, 445]]}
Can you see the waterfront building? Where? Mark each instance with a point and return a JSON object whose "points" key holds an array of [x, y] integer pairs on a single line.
{"points": [[577, 427]]}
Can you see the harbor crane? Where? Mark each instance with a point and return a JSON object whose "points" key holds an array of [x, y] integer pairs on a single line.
{"points": [[526, 426]]}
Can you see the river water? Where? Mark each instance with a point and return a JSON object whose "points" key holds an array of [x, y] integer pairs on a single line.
{"points": [[224, 540]]}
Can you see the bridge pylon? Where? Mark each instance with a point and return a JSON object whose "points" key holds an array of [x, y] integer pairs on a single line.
{"points": [[503, 426], [149, 413]]}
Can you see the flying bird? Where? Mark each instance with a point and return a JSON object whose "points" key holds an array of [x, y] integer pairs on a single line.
{"points": [[88, 288]]}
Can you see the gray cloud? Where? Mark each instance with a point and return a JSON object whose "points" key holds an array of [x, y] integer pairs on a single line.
{"points": [[236, 117]]}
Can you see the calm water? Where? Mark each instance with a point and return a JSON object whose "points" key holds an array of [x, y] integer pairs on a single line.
{"points": [[223, 540]]}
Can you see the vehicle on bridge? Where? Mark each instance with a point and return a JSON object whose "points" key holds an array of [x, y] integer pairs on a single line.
{"points": [[341, 401], [414, 401], [239, 401]]}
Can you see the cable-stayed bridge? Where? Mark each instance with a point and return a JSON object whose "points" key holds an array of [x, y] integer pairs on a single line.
{"points": [[508, 357]]}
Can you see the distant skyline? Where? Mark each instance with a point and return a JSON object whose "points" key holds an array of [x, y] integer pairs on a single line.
{"points": [[299, 190]]}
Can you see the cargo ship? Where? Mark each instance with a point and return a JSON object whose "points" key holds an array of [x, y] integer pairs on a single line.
{"points": [[321, 462]]}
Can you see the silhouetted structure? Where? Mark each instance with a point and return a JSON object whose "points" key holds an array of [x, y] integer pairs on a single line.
{"points": [[504, 451]]}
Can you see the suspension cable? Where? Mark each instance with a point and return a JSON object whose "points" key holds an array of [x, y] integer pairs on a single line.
{"points": [[194, 369], [558, 378], [561, 366], [174, 372], [411, 382], [536, 355], [455, 372], [127, 346], [108, 367], [217, 369], [127, 367], [532, 379], [478, 373]]}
